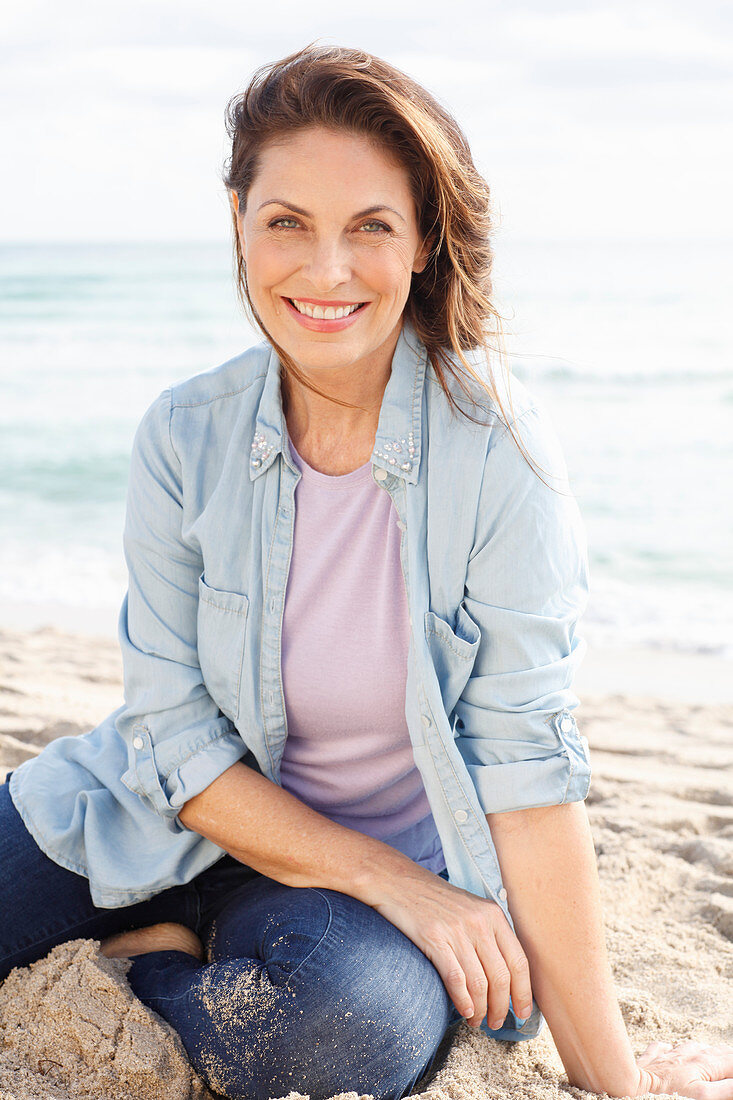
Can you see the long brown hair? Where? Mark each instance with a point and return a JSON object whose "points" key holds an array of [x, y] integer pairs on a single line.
{"points": [[450, 302]]}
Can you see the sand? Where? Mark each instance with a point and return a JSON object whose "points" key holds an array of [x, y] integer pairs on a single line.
{"points": [[661, 808]]}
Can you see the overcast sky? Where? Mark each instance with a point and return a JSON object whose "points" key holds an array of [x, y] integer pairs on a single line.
{"points": [[588, 119]]}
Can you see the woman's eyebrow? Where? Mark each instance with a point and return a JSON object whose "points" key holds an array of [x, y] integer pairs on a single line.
{"points": [[298, 210]]}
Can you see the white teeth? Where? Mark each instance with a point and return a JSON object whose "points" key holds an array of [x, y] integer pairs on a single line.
{"points": [[327, 313]]}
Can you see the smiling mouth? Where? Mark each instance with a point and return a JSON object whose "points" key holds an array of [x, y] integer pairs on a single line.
{"points": [[326, 313]]}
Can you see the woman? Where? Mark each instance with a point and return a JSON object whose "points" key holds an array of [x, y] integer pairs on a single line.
{"points": [[342, 806]]}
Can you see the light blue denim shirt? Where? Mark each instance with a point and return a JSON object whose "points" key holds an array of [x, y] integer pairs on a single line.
{"points": [[496, 576]]}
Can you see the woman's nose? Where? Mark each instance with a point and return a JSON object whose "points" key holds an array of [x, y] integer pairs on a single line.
{"points": [[328, 264]]}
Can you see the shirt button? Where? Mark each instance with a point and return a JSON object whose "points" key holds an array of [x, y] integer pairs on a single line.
{"points": [[502, 894], [461, 816], [138, 742], [567, 724], [426, 721], [381, 475]]}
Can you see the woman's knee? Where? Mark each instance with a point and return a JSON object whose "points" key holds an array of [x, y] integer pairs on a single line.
{"points": [[379, 966], [257, 1040], [358, 1008], [374, 1001]]}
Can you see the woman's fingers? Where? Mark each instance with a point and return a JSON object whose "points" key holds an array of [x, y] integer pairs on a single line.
{"points": [[477, 982], [453, 975], [691, 1068], [481, 974], [500, 982], [712, 1090], [516, 960], [473, 980], [651, 1052], [471, 944]]}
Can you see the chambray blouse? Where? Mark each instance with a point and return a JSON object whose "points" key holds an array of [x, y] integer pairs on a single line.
{"points": [[495, 571]]}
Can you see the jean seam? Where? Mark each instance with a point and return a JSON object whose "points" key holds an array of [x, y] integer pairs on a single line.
{"points": [[315, 947], [154, 998]]}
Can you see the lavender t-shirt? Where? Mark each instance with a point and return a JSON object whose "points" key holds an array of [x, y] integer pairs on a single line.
{"points": [[344, 664]]}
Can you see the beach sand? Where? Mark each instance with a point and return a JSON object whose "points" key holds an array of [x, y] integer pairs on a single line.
{"points": [[661, 808]]}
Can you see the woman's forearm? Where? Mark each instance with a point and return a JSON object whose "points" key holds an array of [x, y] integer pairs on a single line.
{"points": [[549, 869], [269, 829], [272, 831]]}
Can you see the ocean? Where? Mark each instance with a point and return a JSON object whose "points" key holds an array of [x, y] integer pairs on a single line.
{"points": [[627, 343]]}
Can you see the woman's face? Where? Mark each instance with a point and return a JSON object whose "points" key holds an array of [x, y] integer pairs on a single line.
{"points": [[330, 240]]}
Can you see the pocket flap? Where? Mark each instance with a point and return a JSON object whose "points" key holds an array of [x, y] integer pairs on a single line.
{"points": [[221, 599], [453, 652], [221, 624]]}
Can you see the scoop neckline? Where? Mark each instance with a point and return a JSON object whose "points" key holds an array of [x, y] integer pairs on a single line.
{"points": [[331, 481]]}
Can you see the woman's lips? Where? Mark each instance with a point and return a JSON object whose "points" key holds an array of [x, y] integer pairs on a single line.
{"points": [[318, 324]]}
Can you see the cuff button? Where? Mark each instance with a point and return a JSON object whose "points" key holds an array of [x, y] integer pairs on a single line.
{"points": [[567, 724]]}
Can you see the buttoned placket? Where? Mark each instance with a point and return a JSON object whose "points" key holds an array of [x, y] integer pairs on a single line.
{"points": [[396, 461], [470, 830], [276, 582]]}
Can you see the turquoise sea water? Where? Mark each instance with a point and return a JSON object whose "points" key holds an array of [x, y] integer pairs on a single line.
{"points": [[629, 344]]}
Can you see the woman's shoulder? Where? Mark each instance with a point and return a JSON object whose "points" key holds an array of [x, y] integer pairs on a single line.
{"points": [[507, 436], [238, 375], [484, 403], [187, 417]]}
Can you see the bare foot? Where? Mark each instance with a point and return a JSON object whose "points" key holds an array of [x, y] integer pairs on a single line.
{"points": [[156, 937]]}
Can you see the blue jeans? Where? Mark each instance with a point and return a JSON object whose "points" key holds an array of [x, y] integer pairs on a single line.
{"points": [[302, 989]]}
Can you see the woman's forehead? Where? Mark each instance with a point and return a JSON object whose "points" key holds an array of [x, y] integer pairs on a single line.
{"points": [[310, 154]]}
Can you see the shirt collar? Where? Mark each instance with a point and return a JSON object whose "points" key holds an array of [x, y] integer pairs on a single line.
{"points": [[398, 440]]}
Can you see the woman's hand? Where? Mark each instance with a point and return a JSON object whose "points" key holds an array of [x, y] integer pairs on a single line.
{"points": [[690, 1068], [469, 942]]}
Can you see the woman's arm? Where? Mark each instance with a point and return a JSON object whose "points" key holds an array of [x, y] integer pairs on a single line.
{"points": [[548, 864], [467, 938], [177, 739], [549, 867]]}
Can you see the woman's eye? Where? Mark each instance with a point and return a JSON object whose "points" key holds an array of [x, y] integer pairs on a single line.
{"points": [[281, 223], [375, 227]]}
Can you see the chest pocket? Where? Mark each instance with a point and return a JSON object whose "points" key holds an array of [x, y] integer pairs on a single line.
{"points": [[453, 653], [221, 625]]}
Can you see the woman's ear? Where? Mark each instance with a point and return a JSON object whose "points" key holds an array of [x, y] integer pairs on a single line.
{"points": [[234, 199]]}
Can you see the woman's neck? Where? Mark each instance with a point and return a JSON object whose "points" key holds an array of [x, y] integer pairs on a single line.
{"points": [[336, 438]]}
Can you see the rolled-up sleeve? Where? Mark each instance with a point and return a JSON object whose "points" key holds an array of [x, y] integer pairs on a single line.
{"points": [[526, 588], [178, 741]]}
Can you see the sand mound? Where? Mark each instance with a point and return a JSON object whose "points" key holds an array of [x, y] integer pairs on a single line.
{"points": [[70, 1028]]}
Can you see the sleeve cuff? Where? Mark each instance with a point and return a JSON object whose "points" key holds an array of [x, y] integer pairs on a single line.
{"points": [[202, 768], [173, 772], [541, 781]]}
